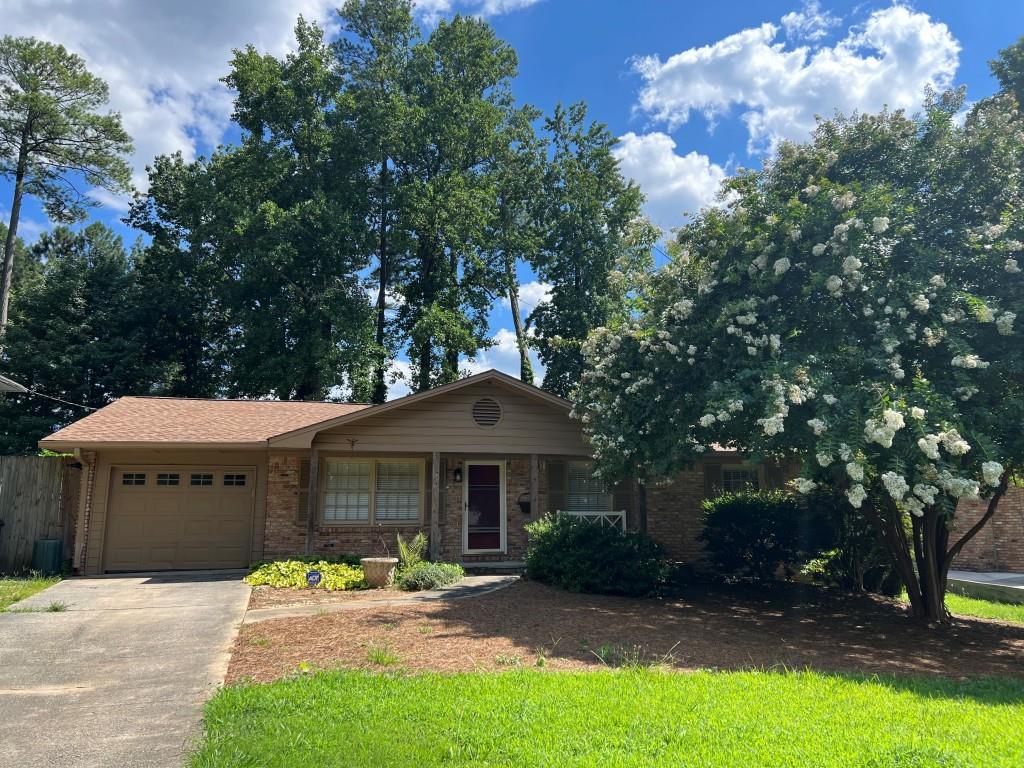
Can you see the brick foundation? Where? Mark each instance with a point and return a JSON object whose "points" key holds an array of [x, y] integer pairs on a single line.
{"points": [[999, 545]]}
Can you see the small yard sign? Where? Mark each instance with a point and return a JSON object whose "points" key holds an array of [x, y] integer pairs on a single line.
{"points": [[313, 578]]}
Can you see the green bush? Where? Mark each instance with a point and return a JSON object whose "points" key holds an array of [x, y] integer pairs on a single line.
{"points": [[425, 575], [855, 559], [411, 553], [340, 574], [582, 556], [752, 534]]}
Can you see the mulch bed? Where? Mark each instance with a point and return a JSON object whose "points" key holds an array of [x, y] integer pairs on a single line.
{"points": [[703, 628], [272, 597]]}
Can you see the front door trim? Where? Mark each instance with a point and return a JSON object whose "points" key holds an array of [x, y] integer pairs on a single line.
{"points": [[503, 491]]}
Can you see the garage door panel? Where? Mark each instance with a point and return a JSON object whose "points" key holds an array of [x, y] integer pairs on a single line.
{"points": [[164, 526]]}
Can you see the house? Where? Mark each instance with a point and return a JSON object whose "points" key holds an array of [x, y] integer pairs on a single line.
{"points": [[173, 483]]}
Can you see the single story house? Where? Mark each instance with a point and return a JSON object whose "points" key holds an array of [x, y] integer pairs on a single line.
{"points": [[174, 483]]}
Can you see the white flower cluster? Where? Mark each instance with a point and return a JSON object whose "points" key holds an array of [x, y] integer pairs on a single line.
{"points": [[843, 202], [879, 224], [855, 471], [968, 361], [1012, 266], [917, 413], [991, 472], [921, 303], [834, 285], [818, 249], [803, 485], [1004, 323], [851, 264], [818, 426], [951, 440], [896, 485], [856, 494], [883, 430], [781, 266], [957, 487]]}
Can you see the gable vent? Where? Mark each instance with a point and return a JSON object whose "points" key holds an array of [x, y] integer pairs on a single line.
{"points": [[486, 412]]}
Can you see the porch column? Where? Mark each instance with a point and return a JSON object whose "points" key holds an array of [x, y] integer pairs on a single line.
{"points": [[313, 502], [435, 503], [534, 485]]}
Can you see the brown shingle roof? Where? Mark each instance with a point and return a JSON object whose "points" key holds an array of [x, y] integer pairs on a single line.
{"points": [[168, 420]]}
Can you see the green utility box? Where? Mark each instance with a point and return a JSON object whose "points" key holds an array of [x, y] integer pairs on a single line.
{"points": [[47, 556]]}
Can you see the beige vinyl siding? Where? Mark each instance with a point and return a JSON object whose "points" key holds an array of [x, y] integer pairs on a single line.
{"points": [[445, 423], [107, 461]]}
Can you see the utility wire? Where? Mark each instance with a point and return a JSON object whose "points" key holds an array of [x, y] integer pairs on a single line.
{"points": [[58, 400]]}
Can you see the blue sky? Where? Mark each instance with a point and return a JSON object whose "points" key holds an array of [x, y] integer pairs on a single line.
{"points": [[693, 89]]}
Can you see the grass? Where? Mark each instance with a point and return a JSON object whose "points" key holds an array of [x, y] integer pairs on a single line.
{"points": [[986, 609], [13, 589], [621, 718], [382, 655]]}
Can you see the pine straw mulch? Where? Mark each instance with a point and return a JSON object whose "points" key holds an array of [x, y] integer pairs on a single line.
{"points": [[272, 597], [708, 628]]}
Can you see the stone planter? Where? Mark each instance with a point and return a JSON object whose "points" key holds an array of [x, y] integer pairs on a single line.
{"points": [[379, 571]]}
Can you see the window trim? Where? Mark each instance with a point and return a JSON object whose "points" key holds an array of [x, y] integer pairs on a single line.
{"points": [[754, 469], [371, 520], [171, 479]]}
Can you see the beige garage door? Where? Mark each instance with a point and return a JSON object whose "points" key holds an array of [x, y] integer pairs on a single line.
{"points": [[175, 517]]}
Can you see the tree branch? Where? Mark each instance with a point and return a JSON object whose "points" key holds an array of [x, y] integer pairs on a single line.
{"points": [[993, 503]]}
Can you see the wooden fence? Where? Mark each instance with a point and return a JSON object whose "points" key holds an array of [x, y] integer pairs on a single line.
{"points": [[38, 500]]}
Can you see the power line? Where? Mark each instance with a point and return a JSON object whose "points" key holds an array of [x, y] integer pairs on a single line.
{"points": [[59, 400]]}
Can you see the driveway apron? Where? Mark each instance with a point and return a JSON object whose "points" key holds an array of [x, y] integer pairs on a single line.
{"points": [[119, 677]]}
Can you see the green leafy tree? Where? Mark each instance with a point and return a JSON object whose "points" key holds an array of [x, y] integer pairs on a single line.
{"points": [[595, 243], [459, 82], [51, 135], [73, 335], [374, 53], [853, 307]]}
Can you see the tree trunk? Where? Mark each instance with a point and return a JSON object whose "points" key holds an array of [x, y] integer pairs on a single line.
{"points": [[12, 233], [380, 387], [525, 367]]}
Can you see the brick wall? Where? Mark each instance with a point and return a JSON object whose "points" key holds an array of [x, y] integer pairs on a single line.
{"points": [[999, 545], [674, 515]]}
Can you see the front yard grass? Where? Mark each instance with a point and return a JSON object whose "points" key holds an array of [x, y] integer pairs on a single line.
{"points": [[13, 589], [616, 718], [985, 609]]}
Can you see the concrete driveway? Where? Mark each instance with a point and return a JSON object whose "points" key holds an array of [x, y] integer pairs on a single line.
{"points": [[119, 678]]}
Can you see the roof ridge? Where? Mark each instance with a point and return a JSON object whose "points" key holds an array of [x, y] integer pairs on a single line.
{"points": [[231, 400]]}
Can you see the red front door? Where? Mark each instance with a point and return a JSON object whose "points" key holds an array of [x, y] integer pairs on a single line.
{"points": [[483, 506]]}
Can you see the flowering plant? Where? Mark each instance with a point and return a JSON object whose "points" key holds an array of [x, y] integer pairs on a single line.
{"points": [[852, 307]]}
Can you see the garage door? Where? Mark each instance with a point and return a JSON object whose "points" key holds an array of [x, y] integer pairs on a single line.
{"points": [[174, 517]]}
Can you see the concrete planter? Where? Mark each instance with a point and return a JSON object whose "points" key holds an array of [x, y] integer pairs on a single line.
{"points": [[379, 571]]}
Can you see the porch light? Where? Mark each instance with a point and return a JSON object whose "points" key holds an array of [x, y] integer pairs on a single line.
{"points": [[457, 474]]}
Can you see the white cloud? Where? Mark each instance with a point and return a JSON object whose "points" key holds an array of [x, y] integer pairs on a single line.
{"points": [[29, 229], [432, 10], [119, 203], [399, 379], [809, 23], [503, 355], [530, 295], [163, 61], [887, 61], [672, 183]]}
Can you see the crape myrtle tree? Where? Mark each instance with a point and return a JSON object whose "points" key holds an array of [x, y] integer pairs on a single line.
{"points": [[852, 307]]}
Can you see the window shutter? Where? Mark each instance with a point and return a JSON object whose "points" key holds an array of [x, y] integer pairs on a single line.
{"points": [[302, 510], [712, 480], [557, 482]]}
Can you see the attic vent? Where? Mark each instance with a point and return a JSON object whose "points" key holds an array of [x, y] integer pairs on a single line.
{"points": [[486, 412]]}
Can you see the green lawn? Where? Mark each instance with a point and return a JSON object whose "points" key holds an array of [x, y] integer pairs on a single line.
{"points": [[13, 589], [986, 609], [616, 718]]}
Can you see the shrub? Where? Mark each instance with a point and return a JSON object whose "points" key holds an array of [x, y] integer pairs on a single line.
{"points": [[411, 553], [426, 575], [582, 556], [751, 534], [336, 575]]}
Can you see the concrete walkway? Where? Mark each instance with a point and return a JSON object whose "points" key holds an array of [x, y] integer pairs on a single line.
{"points": [[120, 676], [470, 586], [992, 585]]}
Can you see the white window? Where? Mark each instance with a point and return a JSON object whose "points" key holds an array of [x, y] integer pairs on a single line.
{"points": [[347, 491], [397, 494], [586, 493], [739, 478]]}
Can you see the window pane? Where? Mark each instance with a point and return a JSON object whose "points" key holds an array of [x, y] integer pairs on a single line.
{"points": [[398, 491], [167, 478], [201, 479], [738, 479], [133, 478], [234, 480], [347, 490], [586, 492]]}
